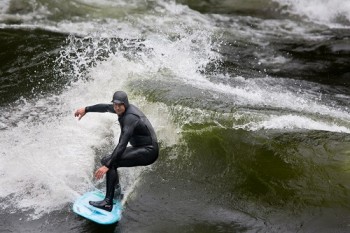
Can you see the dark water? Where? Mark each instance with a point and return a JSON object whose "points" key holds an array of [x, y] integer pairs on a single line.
{"points": [[27, 60], [250, 101]]}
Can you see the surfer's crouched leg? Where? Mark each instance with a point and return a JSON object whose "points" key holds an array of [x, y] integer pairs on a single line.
{"points": [[105, 204]]}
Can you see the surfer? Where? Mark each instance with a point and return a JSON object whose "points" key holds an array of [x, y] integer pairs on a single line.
{"points": [[136, 130]]}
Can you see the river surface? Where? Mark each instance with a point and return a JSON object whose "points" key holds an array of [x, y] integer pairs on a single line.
{"points": [[249, 99]]}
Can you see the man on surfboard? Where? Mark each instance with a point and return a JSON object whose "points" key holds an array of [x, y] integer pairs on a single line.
{"points": [[136, 130]]}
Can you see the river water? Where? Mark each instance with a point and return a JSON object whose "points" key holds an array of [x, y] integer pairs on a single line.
{"points": [[249, 99]]}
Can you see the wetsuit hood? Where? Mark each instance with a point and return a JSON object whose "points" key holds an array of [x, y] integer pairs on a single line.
{"points": [[120, 97]]}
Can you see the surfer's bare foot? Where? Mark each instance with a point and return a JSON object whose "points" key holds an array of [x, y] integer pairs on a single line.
{"points": [[104, 204]]}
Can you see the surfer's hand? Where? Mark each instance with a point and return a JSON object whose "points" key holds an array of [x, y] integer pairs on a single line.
{"points": [[80, 113], [101, 172]]}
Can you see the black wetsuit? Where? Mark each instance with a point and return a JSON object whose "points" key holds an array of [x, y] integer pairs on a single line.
{"points": [[136, 130]]}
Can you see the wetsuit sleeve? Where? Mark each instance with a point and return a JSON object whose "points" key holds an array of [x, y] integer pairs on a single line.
{"points": [[130, 122], [100, 108]]}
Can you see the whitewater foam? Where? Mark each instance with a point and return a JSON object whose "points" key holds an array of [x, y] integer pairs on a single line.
{"points": [[331, 12], [4, 5], [293, 122]]}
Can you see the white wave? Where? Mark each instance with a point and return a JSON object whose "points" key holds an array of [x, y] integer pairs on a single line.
{"points": [[331, 12], [49, 162], [4, 5], [273, 60], [271, 93], [294, 122]]}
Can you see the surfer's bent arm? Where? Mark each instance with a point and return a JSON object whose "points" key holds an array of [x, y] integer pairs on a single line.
{"points": [[130, 123]]}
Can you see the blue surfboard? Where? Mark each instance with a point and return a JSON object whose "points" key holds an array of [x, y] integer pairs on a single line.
{"points": [[82, 207]]}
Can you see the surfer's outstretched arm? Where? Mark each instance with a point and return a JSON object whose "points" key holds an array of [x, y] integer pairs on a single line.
{"points": [[94, 108]]}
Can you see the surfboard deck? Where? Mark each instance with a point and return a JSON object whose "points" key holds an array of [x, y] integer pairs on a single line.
{"points": [[82, 207]]}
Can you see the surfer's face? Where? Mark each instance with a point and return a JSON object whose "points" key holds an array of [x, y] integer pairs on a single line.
{"points": [[119, 108]]}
